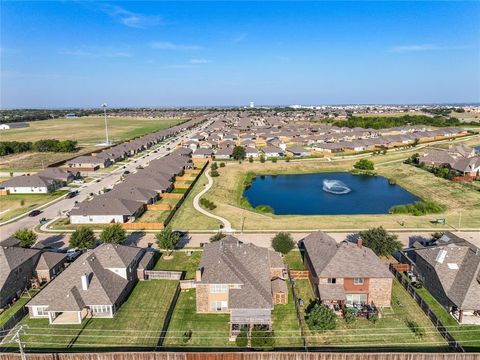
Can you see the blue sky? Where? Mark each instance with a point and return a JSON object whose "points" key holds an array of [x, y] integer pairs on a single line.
{"points": [[79, 53]]}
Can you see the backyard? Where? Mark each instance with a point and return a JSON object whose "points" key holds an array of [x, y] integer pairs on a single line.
{"points": [[181, 261], [138, 322]]}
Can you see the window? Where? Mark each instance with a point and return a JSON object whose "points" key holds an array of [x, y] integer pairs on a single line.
{"points": [[356, 298], [41, 311], [358, 281], [332, 280], [100, 309], [219, 306], [218, 288]]}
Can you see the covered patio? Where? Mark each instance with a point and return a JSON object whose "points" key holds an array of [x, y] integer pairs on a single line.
{"points": [[66, 317]]}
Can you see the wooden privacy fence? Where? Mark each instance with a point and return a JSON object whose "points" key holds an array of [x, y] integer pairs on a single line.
{"points": [[187, 177], [162, 275], [452, 343], [143, 226], [187, 284], [171, 196], [238, 356], [192, 171], [181, 185], [299, 274], [160, 207]]}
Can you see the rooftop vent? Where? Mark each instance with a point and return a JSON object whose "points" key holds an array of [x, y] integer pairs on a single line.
{"points": [[453, 266], [441, 256]]}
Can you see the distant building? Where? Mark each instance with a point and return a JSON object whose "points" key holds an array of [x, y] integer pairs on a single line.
{"points": [[71, 115], [252, 104], [17, 125]]}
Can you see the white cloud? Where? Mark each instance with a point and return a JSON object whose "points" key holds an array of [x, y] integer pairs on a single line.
{"points": [[199, 61], [165, 45], [130, 18]]}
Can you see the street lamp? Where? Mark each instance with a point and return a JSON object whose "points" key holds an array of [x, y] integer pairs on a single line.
{"points": [[104, 105]]}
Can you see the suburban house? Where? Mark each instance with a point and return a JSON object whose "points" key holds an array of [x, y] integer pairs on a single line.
{"points": [[30, 184], [272, 151], [87, 163], [450, 270], [346, 273], [106, 210], [96, 284], [224, 153], [202, 153], [20, 267], [242, 280]]}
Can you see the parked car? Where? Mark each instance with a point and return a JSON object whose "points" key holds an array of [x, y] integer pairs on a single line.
{"points": [[71, 194], [126, 172], [34, 213], [72, 254]]}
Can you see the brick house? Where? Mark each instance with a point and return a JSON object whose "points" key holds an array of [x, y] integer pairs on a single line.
{"points": [[346, 273], [242, 280]]}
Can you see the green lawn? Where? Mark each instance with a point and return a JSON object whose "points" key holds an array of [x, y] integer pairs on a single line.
{"points": [[467, 335], [180, 262], [138, 322], [17, 204], [210, 330], [391, 330], [285, 324], [294, 260], [7, 314]]}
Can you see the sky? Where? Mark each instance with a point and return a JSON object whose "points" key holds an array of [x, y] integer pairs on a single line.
{"points": [[84, 53]]}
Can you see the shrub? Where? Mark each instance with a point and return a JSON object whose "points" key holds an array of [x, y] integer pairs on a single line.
{"points": [[380, 241], [242, 339], [321, 318], [373, 318], [250, 159], [283, 242], [114, 233], [265, 209], [83, 238], [214, 173], [187, 335], [262, 339], [350, 316], [274, 160], [262, 158], [418, 208], [208, 204], [364, 164], [217, 237], [26, 236], [222, 164], [214, 166]]}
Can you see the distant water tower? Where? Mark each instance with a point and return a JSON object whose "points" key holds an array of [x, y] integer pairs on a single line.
{"points": [[252, 104]]}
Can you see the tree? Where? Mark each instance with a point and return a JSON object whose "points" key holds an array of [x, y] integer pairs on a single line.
{"points": [[250, 159], [239, 153], [217, 237], [262, 158], [380, 241], [83, 238], [114, 233], [26, 236], [262, 339], [214, 166], [283, 242], [321, 318], [364, 164], [214, 173], [167, 239]]}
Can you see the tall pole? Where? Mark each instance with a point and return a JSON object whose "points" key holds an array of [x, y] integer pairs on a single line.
{"points": [[104, 105]]}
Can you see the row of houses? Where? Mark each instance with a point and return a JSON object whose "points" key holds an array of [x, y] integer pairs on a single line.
{"points": [[127, 200], [283, 138], [43, 182], [460, 158]]}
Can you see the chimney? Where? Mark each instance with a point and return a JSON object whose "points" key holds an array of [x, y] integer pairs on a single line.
{"points": [[360, 243], [198, 274], [85, 281]]}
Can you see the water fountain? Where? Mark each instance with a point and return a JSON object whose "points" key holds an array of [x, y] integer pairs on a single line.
{"points": [[335, 187]]}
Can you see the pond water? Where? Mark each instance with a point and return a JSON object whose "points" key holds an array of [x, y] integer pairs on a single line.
{"points": [[334, 193]]}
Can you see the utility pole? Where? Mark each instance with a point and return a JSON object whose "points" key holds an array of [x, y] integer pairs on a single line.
{"points": [[16, 338], [104, 105]]}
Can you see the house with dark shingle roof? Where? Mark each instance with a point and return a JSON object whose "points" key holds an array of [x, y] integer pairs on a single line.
{"points": [[346, 273], [242, 280], [96, 284], [450, 270], [105, 210]]}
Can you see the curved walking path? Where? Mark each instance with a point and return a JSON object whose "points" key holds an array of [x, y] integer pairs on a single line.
{"points": [[227, 226]]}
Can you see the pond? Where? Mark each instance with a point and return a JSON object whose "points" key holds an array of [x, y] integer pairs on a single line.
{"points": [[336, 193]]}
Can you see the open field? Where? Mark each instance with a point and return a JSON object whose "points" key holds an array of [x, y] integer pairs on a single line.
{"points": [[17, 204], [391, 330], [180, 262], [88, 131], [463, 202], [139, 321], [207, 329]]}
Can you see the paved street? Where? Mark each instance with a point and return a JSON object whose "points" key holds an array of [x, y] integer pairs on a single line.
{"points": [[106, 180]]}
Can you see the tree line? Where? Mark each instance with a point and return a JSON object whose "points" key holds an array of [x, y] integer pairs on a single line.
{"points": [[47, 145], [383, 122]]}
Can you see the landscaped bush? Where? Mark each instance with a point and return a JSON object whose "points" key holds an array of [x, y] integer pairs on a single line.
{"points": [[214, 173], [350, 316], [222, 164], [321, 318], [207, 204], [418, 208]]}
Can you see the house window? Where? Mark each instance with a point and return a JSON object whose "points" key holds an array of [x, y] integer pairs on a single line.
{"points": [[41, 311], [356, 298], [219, 306], [100, 309], [332, 280], [358, 281], [218, 288]]}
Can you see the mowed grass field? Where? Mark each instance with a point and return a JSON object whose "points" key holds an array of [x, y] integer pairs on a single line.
{"points": [[462, 202], [88, 131], [138, 322]]}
